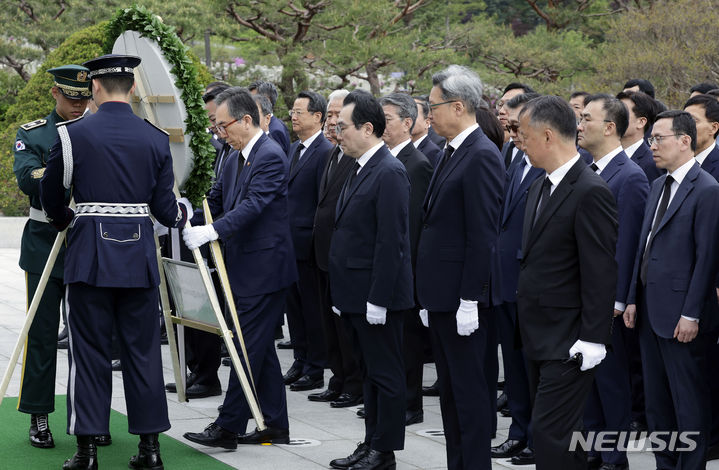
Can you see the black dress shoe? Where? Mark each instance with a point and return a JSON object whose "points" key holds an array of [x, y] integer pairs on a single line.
{"points": [[431, 391], [163, 338], [593, 462], [637, 426], [148, 455], [103, 440], [86, 456], [219, 408], [213, 436], [266, 436], [40, 435], [327, 395], [347, 399], [293, 374], [351, 459], [413, 417], [376, 460], [189, 380], [713, 452], [63, 334], [201, 391], [526, 457], [508, 448], [116, 365], [63, 343], [307, 383], [502, 401], [614, 466], [278, 332], [505, 412], [500, 385], [285, 345], [361, 413], [226, 361]]}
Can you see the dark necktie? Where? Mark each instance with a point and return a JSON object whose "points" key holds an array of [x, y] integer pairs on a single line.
{"points": [[448, 151], [348, 182], [334, 156], [661, 210], [240, 162], [508, 156], [516, 181], [594, 167], [296, 157], [543, 198]]}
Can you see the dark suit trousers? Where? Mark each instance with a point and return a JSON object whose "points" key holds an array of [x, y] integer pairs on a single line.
{"points": [[516, 385], [414, 342], [609, 404], [712, 361], [491, 368], [304, 321], [636, 377], [91, 313], [677, 391], [384, 380], [258, 316], [463, 396], [341, 359], [559, 394]]}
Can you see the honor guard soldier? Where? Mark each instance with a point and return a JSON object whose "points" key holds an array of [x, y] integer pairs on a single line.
{"points": [[119, 168], [71, 91]]}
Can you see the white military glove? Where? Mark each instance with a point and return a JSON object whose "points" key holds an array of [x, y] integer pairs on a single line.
{"points": [[592, 353], [159, 229], [186, 202], [376, 315], [424, 317], [467, 317], [337, 311], [195, 237]]}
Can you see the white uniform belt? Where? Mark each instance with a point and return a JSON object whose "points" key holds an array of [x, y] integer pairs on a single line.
{"points": [[112, 210], [38, 215]]}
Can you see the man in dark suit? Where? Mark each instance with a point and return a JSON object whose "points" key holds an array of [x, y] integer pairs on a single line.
{"points": [[705, 111], [420, 136], [510, 91], [252, 194], [639, 85], [642, 110], [400, 112], [371, 275], [454, 260], [673, 287], [604, 120], [345, 386], [307, 160], [567, 280], [278, 129], [521, 175]]}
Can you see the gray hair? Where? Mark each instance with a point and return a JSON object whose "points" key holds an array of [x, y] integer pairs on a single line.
{"points": [[461, 83], [406, 106], [239, 103], [264, 103], [337, 95]]}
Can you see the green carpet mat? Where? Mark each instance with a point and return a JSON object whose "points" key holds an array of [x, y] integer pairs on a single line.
{"points": [[17, 453]]}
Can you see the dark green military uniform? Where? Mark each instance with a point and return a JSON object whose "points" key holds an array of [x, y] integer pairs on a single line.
{"points": [[32, 149]]}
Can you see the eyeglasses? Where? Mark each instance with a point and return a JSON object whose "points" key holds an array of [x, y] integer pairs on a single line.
{"points": [[432, 106], [512, 128], [222, 128], [657, 139], [296, 113]]}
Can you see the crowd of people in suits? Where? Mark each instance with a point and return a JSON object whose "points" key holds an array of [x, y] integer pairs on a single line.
{"points": [[579, 236]]}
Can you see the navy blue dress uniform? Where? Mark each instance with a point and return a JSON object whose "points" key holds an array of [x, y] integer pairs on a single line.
{"points": [[609, 404], [32, 148], [454, 261], [120, 170], [303, 312], [520, 177], [370, 262], [678, 278], [252, 194]]}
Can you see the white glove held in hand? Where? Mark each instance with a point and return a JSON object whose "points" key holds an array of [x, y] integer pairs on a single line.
{"points": [[592, 353], [376, 315], [195, 237], [186, 202], [336, 310], [159, 229], [424, 317], [467, 317]]}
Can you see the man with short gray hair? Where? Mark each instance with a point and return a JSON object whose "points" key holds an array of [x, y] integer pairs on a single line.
{"points": [[454, 261]]}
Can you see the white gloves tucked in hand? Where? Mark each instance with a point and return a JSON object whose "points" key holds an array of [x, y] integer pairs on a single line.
{"points": [[592, 353], [195, 237], [467, 317], [186, 202], [376, 315], [424, 317]]}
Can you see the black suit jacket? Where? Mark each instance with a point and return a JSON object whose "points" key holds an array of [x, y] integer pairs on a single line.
{"points": [[568, 274], [327, 204], [643, 157], [430, 150], [419, 170]]}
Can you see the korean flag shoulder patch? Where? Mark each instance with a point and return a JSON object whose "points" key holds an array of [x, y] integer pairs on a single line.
{"points": [[19, 146]]}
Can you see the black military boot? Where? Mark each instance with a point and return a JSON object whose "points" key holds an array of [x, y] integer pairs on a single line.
{"points": [[148, 457], [86, 456], [40, 435]]}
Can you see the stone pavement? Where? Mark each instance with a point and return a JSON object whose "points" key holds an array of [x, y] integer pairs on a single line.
{"points": [[319, 433]]}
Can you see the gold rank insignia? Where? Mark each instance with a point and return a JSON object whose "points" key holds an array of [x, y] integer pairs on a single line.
{"points": [[82, 76], [32, 125], [37, 173]]}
